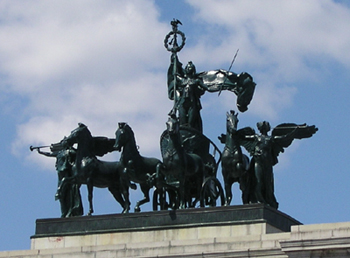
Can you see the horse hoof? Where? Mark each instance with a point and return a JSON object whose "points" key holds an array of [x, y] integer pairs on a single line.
{"points": [[137, 209], [126, 210]]}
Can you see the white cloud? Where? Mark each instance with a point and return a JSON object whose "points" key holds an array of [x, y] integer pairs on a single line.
{"points": [[75, 41], [281, 32], [102, 63], [281, 43], [83, 62]]}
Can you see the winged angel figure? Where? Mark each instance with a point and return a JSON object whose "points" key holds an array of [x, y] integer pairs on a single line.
{"points": [[264, 150]]}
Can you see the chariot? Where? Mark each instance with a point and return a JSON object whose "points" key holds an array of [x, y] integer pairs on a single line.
{"points": [[203, 188]]}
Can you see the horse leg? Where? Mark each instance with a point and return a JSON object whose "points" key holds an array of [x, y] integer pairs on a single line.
{"points": [[145, 190], [182, 193], [228, 187], [90, 188], [199, 181], [119, 198], [124, 186], [228, 191]]}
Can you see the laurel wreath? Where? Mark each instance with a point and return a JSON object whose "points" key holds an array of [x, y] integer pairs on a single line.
{"points": [[177, 48]]}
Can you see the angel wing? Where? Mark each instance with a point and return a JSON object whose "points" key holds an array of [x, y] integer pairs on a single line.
{"points": [[102, 145], [282, 137], [247, 139], [284, 134], [299, 131]]}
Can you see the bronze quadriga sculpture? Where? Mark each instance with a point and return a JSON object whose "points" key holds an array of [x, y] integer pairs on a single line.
{"points": [[187, 173]]}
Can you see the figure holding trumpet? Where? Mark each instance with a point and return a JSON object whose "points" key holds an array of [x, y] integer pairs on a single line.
{"points": [[69, 196]]}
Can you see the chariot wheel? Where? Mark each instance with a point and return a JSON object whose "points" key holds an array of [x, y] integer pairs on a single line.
{"points": [[163, 199], [212, 193]]}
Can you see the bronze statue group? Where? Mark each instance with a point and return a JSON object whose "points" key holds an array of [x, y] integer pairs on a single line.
{"points": [[187, 173]]}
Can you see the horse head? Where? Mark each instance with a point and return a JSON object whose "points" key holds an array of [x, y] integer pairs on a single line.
{"points": [[231, 121], [122, 136], [81, 133], [173, 125]]}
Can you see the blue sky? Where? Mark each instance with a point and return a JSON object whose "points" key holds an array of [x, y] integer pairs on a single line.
{"points": [[104, 62]]}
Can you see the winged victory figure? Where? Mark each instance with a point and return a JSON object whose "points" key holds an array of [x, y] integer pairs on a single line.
{"points": [[264, 150]]}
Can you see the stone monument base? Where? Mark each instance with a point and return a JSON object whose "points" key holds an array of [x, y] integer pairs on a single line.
{"points": [[234, 231], [179, 226], [246, 216]]}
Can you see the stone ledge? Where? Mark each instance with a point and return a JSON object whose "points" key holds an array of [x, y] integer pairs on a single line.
{"points": [[277, 245], [145, 221], [314, 244], [175, 237], [179, 249]]}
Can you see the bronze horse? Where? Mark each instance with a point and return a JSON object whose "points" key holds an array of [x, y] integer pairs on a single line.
{"points": [[137, 168], [88, 170], [234, 164]]}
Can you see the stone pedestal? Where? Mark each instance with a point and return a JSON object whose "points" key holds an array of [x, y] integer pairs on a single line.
{"points": [[199, 218], [234, 231]]}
